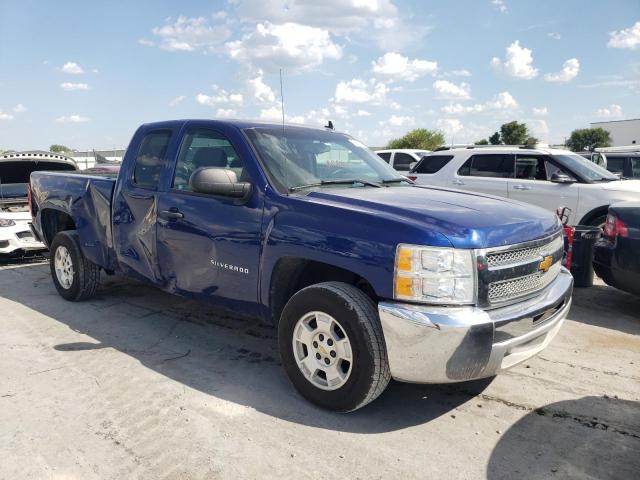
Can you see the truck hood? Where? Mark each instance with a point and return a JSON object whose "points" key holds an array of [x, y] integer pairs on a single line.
{"points": [[467, 220]]}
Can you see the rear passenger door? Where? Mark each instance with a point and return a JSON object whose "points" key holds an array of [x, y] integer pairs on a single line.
{"points": [[531, 184], [486, 173]]}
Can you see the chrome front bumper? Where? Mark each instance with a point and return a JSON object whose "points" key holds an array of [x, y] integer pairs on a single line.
{"points": [[454, 344]]}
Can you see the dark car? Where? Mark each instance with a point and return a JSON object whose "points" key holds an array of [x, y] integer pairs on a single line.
{"points": [[617, 255]]}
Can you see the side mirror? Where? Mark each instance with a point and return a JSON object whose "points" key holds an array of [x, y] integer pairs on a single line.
{"points": [[218, 181], [561, 178], [412, 165]]}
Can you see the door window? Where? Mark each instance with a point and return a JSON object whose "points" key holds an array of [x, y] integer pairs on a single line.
{"points": [[530, 167], [489, 165], [402, 161], [615, 164], [205, 148], [635, 167], [386, 156], [432, 163], [151, 158]]}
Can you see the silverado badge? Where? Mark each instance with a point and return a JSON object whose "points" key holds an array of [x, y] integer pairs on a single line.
{"points": [[546, 263]]}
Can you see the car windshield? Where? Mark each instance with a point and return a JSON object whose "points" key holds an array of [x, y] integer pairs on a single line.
{"points": [[296, 158], [586, 169]]}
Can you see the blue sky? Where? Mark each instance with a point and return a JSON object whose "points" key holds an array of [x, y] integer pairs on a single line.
{"points": [[86, 74]]}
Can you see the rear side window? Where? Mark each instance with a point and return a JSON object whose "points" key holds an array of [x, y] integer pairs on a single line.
{"points": [[402, 161], [489, 165], [150, 159], [530, 167], [432, 163], [615, 164], [386, 156]]}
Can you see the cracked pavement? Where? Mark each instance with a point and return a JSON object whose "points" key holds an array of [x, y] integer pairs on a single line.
{"points": [[136, 383]]}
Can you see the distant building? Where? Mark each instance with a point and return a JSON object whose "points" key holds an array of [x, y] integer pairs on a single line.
{"points": [[623, 132], [89, 158]]}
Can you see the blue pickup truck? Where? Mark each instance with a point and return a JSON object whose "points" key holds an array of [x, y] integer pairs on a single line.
{"points": [[365, 275]]}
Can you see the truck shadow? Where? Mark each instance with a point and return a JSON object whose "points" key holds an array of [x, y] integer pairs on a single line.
{"points": [[230, 358], [562, 440]]}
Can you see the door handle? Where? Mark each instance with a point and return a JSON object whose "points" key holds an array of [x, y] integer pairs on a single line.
{"points": [[457, 182], [172, 214], [521, 187]]}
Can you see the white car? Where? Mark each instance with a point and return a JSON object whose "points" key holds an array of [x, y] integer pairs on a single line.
{"points": [[15, 218], [546, 177], [402, 159]]}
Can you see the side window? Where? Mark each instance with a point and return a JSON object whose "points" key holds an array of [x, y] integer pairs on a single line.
{"points": [[489, 165], [432, 163], [205, 148], [402, 161], [150, 158], [615, 164], [386, 156], [530, 167], [552, 168], [635, 167]]}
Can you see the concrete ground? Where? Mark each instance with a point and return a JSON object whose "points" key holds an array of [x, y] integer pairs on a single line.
{"points": [[139, 384]]}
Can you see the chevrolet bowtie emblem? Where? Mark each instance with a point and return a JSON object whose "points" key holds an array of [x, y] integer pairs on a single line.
{"points": [[546, 263]]}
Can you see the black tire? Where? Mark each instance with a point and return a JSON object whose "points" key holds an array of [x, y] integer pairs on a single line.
{"points": [[86, 275], [358, 316]]}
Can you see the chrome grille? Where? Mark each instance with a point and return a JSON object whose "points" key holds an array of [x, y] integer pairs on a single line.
{"points": [[515, 271], [520, 255], [508, 289]]}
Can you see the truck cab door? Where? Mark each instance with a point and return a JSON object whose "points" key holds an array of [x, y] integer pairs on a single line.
{"points": [[135, 204], [209, 246]]}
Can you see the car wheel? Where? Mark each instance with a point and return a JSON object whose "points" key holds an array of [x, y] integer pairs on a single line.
{"points": [[75, 277], [332, 346], [599, 222]]}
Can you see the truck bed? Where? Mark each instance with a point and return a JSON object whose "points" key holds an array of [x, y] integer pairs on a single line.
{"points": [[84, 197]]}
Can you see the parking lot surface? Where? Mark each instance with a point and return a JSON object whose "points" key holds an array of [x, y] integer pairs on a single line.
{"points": [[136, 383]]}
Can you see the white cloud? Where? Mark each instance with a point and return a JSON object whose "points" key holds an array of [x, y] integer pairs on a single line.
{"points": [[399, 121], [221, 96], [463, 72], [626, 38], [189, 34], [69, 87], [554, 35], [450, 91], [72, 119], [503, 101], [95, 70], [518, 62], [612, 111], [225, 113], [540, 111], [260, 91], [5, 116], [397, 67], [73, 68], [176, 100], [500, 5], [450, 126], [272, 113], [359, 91], [290, 46], [146, 43], [539, 129], [569, 71], [362, 113], [19, 108]]}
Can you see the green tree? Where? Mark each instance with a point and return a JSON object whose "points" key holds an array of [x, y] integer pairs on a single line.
{"points": [[482, 142], [514, 133], [495, 139], [59, 148], [420, 138], [588, 139]]}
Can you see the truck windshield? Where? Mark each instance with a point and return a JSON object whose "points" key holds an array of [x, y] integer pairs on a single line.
{"points": [[586, 169], [296, 158]]}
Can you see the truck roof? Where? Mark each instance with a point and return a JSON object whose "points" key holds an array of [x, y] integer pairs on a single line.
{"points": [[238, 123]]}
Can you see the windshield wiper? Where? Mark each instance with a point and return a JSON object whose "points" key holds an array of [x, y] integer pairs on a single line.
{"points": [[346, 181], [396, 180]]}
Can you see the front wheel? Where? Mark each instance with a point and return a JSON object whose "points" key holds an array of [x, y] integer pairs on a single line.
{"points": [[332, 346], [74, 277]]}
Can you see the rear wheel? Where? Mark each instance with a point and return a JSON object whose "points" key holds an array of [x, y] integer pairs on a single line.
{"points": [[332, 346], [74, 277]]}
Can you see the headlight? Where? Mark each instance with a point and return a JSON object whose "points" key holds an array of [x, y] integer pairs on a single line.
{"points": [[434, 275], [6, 222]]}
